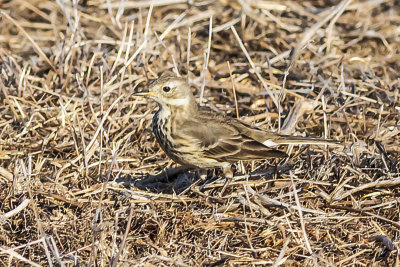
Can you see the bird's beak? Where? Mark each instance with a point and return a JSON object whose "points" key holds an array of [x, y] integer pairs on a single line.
{"points": [[145, 94]]}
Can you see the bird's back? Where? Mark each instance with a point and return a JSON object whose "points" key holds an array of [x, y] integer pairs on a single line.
{"points": [[216, 139]]}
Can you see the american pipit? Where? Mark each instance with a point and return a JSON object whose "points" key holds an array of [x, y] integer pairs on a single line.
{"points": [[202, 139]]}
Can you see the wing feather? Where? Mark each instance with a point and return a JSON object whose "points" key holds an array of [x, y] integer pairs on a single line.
{"points": [[224, 142]]}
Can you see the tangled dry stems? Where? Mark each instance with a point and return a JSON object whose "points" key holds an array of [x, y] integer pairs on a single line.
{"points": [[74, 143]]}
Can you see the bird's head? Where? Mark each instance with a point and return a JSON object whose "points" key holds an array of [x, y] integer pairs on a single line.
{"points": [[170, 91]]}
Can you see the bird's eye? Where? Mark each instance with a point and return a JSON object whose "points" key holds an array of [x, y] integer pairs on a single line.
{"points": [[166, 89]]}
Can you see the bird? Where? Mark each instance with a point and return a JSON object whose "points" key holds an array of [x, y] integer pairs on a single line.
{"points": [[200, 138]]}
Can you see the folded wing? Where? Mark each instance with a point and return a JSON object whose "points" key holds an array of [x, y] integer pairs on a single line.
{"points": [[224, 142]]}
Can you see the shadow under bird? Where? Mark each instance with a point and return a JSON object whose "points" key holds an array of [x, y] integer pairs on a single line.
{"points": [[198, 138]]}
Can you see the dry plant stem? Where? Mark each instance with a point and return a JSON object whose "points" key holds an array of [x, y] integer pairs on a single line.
{"points": [[8, 100], [6, 174], [303, 228], [173, 25], [35, 46], [191, 187], [22, 246], [46, 251], [18, 209], [206, 59], [282, 253], [115, 260], [189, 36], [140, 48], [51, 125], [254, 67], [90, 145], [310, 32], [234, 90], [274, 202], [341, 8], [14, 254], [142, 4], [99, 210], [381, 218], [121, 48], [245, 227], [27, 172], [54, 250], [376, 184], [300, 107]]}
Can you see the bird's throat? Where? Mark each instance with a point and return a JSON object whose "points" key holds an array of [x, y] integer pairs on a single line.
{"points": [[185, 107]]}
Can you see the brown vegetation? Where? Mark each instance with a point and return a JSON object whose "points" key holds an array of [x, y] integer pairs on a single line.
{"points": [[74, 141]]}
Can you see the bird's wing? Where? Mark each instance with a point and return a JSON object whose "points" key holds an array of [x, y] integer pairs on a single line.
{"points": [[224, 142]]}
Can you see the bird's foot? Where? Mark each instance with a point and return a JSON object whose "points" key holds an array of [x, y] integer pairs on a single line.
{"points": [[228, 176]]}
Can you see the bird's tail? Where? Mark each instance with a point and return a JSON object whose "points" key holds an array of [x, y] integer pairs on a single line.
{"points": [[288, 140]]}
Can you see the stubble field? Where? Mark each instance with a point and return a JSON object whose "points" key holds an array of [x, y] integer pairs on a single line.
{"points": [[75, 144]]}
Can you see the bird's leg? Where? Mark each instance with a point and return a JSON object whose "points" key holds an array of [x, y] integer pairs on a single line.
{"points": [[228, 174], [202, 173]]}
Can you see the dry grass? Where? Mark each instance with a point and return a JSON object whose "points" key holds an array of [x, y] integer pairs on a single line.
{"points": [[73, 140]]}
